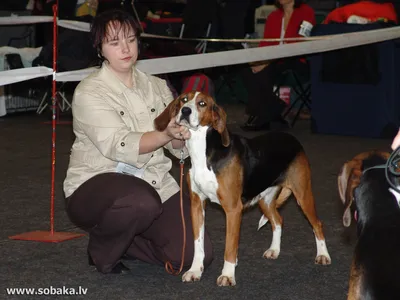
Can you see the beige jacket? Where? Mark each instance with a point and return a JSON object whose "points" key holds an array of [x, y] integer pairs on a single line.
{"points": [[109, 120]]}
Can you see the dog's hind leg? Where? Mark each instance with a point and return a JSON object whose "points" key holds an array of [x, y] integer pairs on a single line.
{"points": [[268, 207], [299, 181], [283, 196]]}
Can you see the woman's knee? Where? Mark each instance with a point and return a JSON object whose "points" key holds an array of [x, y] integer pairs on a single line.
{"points": [[148, 204], [132, 201], [142, 200]]}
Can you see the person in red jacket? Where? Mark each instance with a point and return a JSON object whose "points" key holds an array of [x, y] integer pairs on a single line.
{"points": [[263, 105]]}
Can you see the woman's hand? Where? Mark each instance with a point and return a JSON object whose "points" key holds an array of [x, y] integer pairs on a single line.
{"points": [[396, 141], [259, 68], [176, 131]]}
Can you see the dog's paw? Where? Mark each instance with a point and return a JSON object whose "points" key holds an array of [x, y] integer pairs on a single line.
{"points": [[271, 253], [224, 280], [191, 276], [323, 260]]}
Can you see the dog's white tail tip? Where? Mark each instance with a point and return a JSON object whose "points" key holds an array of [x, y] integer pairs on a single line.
{"points": [[262, 222]]}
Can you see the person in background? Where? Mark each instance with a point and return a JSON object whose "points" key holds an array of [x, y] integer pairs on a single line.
{"points": [[264, 106], [118, 186]]}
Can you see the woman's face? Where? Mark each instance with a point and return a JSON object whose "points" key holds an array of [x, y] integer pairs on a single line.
{"points": [[120, 47]]}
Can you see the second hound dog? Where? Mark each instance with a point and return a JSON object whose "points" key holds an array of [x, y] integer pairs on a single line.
{"points": [[236, 173]]}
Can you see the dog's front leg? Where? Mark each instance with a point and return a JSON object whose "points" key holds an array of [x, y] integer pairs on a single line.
{"points": [[197, 211], [233, 221]]}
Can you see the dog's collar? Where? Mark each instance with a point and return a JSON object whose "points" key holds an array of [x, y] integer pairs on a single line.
{"points": [[394, 190], [374, 167]]}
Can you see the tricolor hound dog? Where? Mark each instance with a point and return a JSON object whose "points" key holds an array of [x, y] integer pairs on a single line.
{"points": [[375, 269], [236, 173]]}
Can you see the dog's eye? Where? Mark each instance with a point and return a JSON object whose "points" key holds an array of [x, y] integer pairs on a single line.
{"points": [[202, 103], [184, 99]]}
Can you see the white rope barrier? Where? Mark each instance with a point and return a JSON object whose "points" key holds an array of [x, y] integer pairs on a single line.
{"points": [[21, 20], [74, 25], [207, 60], [198, 61], [17, 75], [73, 75]]}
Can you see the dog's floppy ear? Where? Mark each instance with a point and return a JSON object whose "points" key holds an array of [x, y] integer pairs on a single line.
{"points": [[162, 121], [348, 180], [219, 124]]}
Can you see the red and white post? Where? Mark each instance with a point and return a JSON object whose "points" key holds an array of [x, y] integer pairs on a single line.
{"points": [[51, 236]]}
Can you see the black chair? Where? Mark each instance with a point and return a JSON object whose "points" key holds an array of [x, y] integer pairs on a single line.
{"points": [[300, 91], [300, 82]]}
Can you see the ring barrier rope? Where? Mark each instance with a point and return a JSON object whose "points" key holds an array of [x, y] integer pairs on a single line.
{"points": [[21, 20], [206, 60], [17, 75]]}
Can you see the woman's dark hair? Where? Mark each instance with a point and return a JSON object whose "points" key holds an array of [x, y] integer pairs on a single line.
{"points": [[297, 4], [98, 30]]}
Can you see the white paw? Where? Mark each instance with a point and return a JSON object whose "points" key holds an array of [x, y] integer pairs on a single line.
{"points": [[224, 280], [323, 260], [323, 257], [192, 275], [271, 253]]}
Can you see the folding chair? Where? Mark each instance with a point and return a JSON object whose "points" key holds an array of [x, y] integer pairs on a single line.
{"points": [[300, 90], [300, 84], [63, 103]]}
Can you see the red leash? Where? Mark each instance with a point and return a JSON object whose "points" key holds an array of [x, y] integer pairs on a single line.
{"points": [[168, 266]]}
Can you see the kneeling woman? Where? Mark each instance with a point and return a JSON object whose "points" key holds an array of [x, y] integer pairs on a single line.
{"points": [[118, 186]]}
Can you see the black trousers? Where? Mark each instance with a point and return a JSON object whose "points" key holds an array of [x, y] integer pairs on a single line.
{"points": [[124, 215], [261, 101]]}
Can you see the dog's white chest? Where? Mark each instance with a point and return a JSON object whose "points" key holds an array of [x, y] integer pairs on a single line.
{"points": [[204, 183], [203, 180]]}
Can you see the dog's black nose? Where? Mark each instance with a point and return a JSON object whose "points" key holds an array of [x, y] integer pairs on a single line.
{"points": [[186, 111]]}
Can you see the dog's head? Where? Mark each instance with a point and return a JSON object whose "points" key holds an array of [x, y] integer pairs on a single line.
{"points": [[195, 109], [349, 179]]}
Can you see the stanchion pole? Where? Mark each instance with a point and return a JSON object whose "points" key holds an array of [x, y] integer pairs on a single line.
{"points": [[54, 115], [51, 236]]}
